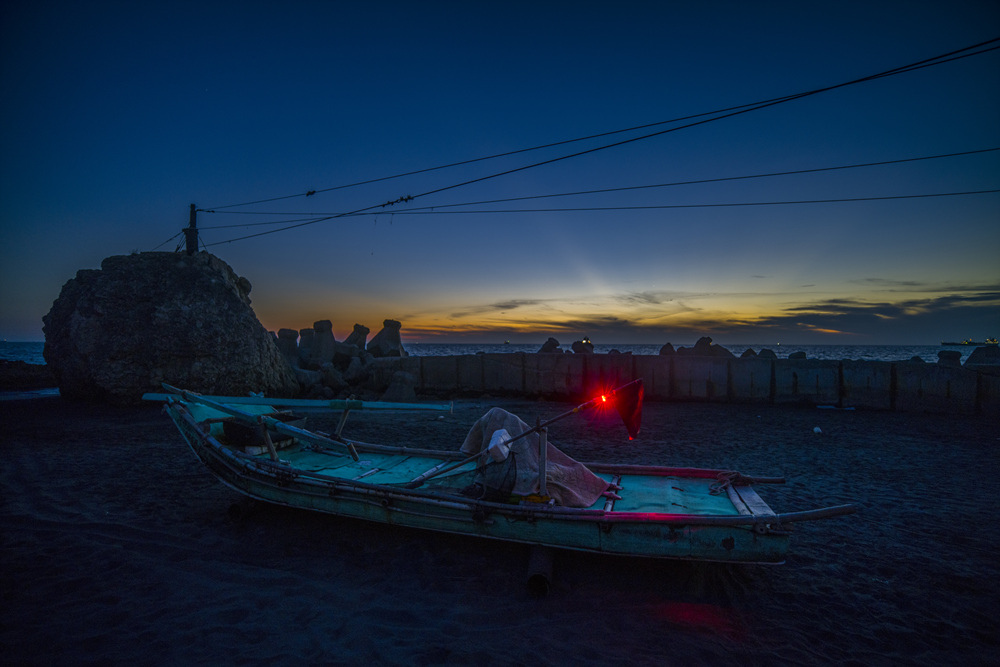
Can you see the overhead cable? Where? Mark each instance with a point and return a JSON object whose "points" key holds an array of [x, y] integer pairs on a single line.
{"points": [[943, 58], [714, 205], [618, 189], [733, 110], [590, 209]]}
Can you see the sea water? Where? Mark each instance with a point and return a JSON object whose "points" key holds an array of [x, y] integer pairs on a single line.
{"points": [[31, 352]]}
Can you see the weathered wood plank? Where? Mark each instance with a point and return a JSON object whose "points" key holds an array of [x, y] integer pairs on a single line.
{"points": [[738, 503], [754, 502]]}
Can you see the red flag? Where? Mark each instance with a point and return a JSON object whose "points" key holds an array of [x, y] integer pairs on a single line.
{"points": [[628, 402]]}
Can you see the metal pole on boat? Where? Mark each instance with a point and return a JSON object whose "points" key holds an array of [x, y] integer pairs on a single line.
{"points": [[543, 446], [440, 470], [583, 406], [539, 426]]}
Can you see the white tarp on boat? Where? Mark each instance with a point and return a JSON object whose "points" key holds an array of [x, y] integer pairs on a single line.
{"points": [[568, 481]]}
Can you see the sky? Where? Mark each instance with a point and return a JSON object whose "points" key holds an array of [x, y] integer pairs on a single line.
{"points": [[116, 116]]}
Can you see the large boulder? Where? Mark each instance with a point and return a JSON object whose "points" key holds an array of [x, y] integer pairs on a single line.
{"points": [[401, 389], [985, 359], [288, 343], [359, 336], [950, 358], [387, 342], [155, 317], [305, 346], [332, 377], [705, 348], [551, 346], [323, 344]]}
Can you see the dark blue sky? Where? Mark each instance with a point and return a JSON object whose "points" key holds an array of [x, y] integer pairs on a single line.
{"points": [[116, 116]]}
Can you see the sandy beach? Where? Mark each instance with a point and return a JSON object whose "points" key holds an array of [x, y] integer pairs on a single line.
{"points": [[119, 548]]}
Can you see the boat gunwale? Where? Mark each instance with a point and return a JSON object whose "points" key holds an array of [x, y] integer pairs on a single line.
{"points": [[250, 464]]}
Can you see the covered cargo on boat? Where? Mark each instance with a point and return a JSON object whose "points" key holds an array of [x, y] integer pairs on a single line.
{"points": [[568, 482]]}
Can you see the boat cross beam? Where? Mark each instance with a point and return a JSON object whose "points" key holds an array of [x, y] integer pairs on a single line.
{"points": [[270, 422]]}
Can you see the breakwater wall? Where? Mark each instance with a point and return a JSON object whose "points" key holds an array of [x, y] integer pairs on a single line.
{"points": [[904, 386]]}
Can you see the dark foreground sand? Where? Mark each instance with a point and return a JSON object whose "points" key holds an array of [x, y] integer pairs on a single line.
{"points": [[118, 548]]}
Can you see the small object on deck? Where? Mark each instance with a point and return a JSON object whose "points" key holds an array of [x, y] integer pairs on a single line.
{"points": [[499, 449], [610, 494]]}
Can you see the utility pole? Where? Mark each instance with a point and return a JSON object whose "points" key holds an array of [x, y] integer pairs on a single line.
{"points": [[191, 233]]}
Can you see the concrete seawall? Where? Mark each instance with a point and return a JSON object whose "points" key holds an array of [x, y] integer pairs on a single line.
{"points": [[903, 386]]}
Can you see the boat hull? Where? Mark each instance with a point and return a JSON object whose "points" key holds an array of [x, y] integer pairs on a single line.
{"points": [[732, 538]]}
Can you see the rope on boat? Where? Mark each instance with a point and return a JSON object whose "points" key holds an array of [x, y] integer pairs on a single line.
{"points": [[726, 480]]}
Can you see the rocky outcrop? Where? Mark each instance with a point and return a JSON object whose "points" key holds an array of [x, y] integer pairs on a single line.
{"points": [[583, 346], [327, 368], [551, 346], [358, 337], [402, 388], [387, 342], [288, 344], [118, 332], [667, 350], [950, 358], [985, 359], [705, 348], [323, 344]]}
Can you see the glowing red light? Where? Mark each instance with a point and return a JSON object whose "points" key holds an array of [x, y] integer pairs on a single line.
{"points": [[604, 399]]}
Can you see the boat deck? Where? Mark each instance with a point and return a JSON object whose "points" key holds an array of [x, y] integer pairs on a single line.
{"points": [[640, 493]]}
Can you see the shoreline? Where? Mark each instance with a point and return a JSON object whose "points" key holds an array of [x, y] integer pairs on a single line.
{"points": [[21, 376]]}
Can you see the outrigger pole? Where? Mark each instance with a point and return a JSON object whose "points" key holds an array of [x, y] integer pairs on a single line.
{"points": [[629, 408], [263, 420]]}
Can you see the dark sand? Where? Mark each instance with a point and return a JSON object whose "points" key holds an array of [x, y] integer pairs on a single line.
{"points": [[118, 548]]}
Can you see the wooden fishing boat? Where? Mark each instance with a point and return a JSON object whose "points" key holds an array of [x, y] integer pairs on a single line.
{"points": [[257, 447]]}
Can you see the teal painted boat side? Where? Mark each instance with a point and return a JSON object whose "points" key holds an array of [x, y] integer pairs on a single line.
{"points": [[639, 527]]}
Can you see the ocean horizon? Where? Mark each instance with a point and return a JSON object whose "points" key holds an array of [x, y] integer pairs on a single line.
{"points": [[31, 352]]}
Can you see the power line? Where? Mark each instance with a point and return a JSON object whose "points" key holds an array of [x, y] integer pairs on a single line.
{"points": [[309, 193], [591, 209], [619, 189], [461, 163], [714, 205], [937, 60], [899, 70], [733, 110], [167, 241], [312, 217]]}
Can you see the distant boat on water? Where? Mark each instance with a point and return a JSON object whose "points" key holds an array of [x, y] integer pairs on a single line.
{"points": [[969, 341]]}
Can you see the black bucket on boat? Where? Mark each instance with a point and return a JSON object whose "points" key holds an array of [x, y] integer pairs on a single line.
{"points": [[495, 482], [239, 434]]}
